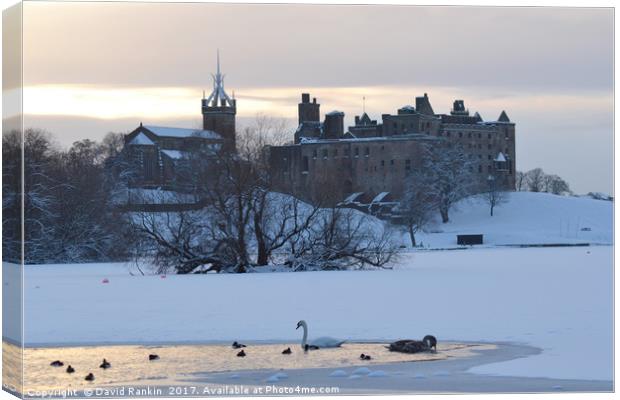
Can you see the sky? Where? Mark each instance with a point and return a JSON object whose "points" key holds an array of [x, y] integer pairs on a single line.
{"points": [[91, 68]]}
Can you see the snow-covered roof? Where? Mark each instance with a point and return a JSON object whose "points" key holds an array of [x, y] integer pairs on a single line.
{"points": [[335, 112], [408, 107], [142, 139], [379, 198], [181, 132], [352, 197], [174, 154], [500, 157]]}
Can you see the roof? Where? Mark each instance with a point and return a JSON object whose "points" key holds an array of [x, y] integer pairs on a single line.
{"points": [[503, 117], [379, 198], [352, 197], [335, 112], [181, 132], [365, 119], [500, 157], [142, 139], [174, 154]]}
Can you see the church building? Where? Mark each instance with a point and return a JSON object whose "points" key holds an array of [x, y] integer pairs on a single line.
{"points": [[161, 154]]}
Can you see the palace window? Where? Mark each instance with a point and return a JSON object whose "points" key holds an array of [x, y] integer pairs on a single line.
{"points": [[357, 152], [448, 134], [460, 134], [489, 136], [479, 168], [304, 164], [367, 151], [479, 135], [314, 154], [336, 153], [324, 154], [383, 163], [469, 135]]}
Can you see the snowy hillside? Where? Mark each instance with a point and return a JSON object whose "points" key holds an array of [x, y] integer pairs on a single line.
{"points": [[526, 218]]}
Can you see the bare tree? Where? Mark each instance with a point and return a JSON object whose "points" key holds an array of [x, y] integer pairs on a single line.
{"points": [[263, 131], [494, 195], [11, 196], [448, 173], [535, 180], [520, 181], [417, 206], [556, 185], [184, 240], [277, 220], [342, 239]]}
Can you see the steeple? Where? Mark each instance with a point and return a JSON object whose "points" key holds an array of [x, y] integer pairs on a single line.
{"points": [[219, 98], [219, 110]]}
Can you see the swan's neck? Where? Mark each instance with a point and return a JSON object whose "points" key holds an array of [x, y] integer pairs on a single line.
{"points": [[305, 337]]}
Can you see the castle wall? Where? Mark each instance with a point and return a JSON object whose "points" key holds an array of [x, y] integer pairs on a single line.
{"points": [[337, 168]]}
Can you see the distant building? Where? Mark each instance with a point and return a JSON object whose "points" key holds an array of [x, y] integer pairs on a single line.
{"points": [[367, 163], [371, 160]]}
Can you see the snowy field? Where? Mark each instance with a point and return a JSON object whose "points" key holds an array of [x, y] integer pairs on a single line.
{"points": [[526, 218], [557, 299]]}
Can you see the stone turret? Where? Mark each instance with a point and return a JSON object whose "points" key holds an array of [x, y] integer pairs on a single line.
{"points": [[307, 111], [423, 105]]}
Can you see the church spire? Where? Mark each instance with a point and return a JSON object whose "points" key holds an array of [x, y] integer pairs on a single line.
{"points": [[218, 97]]}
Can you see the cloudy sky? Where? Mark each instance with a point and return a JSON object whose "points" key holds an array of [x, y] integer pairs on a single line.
{"points": [[90, 68]]}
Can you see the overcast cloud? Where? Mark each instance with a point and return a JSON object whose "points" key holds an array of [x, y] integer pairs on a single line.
{"points": [[94, 67]]}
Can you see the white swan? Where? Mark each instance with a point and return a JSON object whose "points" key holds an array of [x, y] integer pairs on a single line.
{"points": [[322, 342]]}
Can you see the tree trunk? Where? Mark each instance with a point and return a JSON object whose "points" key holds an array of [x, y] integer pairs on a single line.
{"points": [[412, 236], [263, 255], [492, 206], [444, 214]]}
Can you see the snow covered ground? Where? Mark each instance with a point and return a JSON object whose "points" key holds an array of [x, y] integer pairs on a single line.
{"points": [[526, 218], [557, 299]]}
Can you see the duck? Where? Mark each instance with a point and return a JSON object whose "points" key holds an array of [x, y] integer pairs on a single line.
{"points": [[241, 354], [90, 377], [153, 357], [414, 346], [366, 357], [57, 363], [236, 345], [70, 369], [105, 364], [322, 342], [287, 351]]}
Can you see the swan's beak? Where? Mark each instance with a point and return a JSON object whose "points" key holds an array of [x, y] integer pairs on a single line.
{"points": [[297, 327]]}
